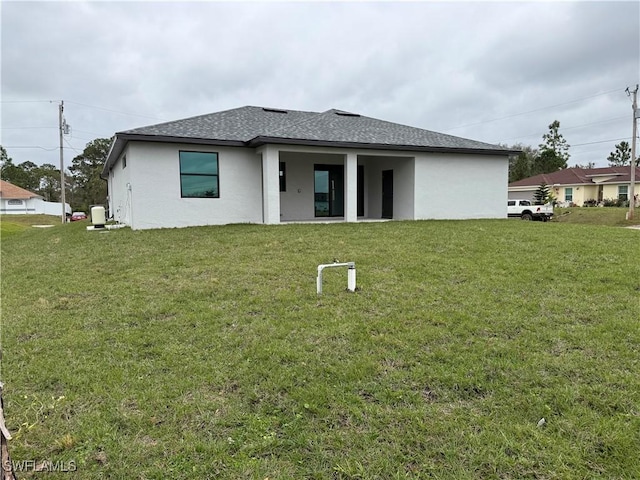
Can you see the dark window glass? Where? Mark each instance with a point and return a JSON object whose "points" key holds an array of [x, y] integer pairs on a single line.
{"points": [[199, 175], [283, 177], [623, 192]]}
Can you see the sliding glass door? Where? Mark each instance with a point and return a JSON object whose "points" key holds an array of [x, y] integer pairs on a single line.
{"points": [[329, 190]]}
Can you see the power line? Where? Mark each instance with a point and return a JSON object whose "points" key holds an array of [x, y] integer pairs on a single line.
{"points": [[84, 131], [32, 146], [25, 128], [72, 147], [113, 111], [84, 105], [613, 119], [27, 101], [533, 111], [600, 141]]}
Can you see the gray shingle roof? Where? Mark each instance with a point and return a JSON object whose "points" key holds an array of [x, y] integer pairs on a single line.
{"points": [[239, 124], [254, 126], [248, 123]]}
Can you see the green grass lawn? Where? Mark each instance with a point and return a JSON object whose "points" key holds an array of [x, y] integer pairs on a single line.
{"points": [[611, 216], [206, 353], [12, 224]]}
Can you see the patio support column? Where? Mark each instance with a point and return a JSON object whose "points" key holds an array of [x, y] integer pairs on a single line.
{"points": [[270, 185], [351, 188]]}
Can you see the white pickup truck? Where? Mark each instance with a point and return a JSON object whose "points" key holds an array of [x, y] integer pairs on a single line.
{"points": [[526, 210]]}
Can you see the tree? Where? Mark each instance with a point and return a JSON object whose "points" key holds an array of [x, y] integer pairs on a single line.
{"points": [[521, 166], [586, 166], [621, 156], [554, 151], [4, 157], [541, 195], [90, 189], [43, 180], [6, 165], [24, 175], [49, 187]]}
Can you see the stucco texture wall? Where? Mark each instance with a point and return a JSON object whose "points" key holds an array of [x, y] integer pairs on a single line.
{"points": [[155, 197], [459, 186]]}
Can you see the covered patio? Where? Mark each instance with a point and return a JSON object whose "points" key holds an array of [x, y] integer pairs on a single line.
{"points": [[326, 184]]}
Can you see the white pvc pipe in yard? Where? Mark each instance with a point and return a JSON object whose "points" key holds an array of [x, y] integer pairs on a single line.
{"points": [[351, 275], [351, 278]]}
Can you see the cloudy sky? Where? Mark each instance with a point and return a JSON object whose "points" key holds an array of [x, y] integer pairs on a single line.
{"points": [[498, 72]]}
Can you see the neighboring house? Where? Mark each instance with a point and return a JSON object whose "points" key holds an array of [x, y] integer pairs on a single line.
{"points": [[579, 185], [17, 200], [265, 165]]}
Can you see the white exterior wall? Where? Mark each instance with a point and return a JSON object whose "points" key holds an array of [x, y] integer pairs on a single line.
{"points": [[156, 202], [426, 185], [461, 186], [32, 206], [119, 193]]}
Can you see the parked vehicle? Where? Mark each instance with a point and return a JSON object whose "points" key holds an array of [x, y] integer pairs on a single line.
{"points": [[75, 216], [525, 210]]}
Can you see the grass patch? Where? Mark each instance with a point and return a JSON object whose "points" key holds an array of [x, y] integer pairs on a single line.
{"points": [[13, 224], [609, 216], [205, 352]]}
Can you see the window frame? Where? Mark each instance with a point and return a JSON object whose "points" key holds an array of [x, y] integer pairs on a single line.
{"points": [[568, 194], [623, 196], [216, 175]]}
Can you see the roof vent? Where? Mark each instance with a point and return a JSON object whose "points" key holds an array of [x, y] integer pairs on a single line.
{"points": [[346, 114], [274, 110]]}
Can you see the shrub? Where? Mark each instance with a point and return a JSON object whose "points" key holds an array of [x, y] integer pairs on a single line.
{"points": [[615, 202]]}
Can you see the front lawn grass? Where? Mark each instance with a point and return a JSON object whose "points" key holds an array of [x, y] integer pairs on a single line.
{"points": [[12, 224], [206, 353], [609, 216]]}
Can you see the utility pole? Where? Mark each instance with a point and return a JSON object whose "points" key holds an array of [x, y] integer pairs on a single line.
{"points": [[632, 187], [62, 189]]}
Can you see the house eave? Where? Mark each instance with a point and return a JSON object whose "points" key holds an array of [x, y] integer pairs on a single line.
{"points": [[121, 140], [265, 140]]}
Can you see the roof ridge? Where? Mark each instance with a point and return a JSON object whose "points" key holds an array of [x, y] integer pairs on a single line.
{"points": [[12, 190], [293, 123], [182, 119]]}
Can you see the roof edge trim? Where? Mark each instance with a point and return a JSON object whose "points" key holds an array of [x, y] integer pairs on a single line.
{"points": [[259, 141]]}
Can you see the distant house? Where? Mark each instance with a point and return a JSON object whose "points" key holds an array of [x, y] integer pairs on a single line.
{"points": [[579, 185], [17, 200], [266, 165]]}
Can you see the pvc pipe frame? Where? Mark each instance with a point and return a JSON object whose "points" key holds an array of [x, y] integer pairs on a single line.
{"points": [[351, 275]]}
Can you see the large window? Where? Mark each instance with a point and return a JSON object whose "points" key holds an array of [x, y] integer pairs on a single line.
{"points": [[199, 175], [623, 192], [568, 194]]}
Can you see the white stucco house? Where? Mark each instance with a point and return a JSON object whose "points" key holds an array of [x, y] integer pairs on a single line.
{"points": [[18, 201], [267, 165]]}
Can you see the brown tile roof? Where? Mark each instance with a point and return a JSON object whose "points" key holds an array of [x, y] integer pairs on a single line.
{"points": [[579, 176], [9, 190]]}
